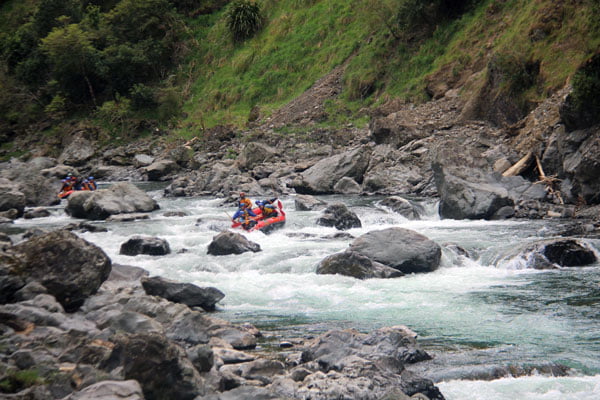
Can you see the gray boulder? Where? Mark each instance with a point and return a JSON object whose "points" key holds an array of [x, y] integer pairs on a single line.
{"points": [[231, 243], [160, 170], [145, 354], [254, 154], [347, 185], [321, 177], [399, 248], [120, 198], [476, 198], [152, 246], [11, 198], [339, 216], [402, 206], [115, 390], [78, 151], [306, 202], [185, 293], [356, 265], [51, 257]]}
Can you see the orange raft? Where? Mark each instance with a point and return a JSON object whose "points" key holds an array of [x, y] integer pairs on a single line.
{"points": [[265, 225]]}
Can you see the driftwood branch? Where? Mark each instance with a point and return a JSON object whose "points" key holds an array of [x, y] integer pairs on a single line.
{"points": [[520, 166], [549, 181]]}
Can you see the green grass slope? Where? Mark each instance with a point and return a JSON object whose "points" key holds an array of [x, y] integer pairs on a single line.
{"points": [[304, 40]]}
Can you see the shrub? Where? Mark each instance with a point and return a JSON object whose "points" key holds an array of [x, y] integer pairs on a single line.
{"points": [[511, 73], [582, 107], [142, 97], [244, 19]]}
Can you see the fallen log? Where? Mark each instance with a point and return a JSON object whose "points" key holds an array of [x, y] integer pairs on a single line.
{"points": [[519, 166]]}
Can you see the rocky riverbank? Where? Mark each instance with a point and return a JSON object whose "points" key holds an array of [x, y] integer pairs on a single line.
{"points": [[106, 329], [110, 331]]}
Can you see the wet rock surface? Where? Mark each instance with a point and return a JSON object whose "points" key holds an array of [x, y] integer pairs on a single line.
{"points": [[129, 340]]}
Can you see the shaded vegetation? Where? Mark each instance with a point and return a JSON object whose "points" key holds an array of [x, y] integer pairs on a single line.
{"points": [[135, 64]]}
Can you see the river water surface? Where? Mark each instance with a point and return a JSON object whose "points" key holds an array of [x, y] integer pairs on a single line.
{"points": [[475, 313]]}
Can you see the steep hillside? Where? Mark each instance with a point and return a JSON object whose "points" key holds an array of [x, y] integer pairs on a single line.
{"points": [[522, 51], [127, 68]]}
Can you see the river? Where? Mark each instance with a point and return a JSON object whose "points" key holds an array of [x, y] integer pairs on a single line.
{"points": [[475, 313]]}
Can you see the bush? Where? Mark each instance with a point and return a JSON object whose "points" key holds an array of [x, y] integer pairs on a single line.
{"points": [[512, 74], [142, 97], [582, 107], [244, 19]]}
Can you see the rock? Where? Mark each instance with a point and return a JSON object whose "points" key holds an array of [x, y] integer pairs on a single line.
{"points": [[51, 257], [120, 198], [202, 357], [306, 202], [399, 248], [476, 198], [347, 185], [340, 216], [5, 241], [37, 212], [393, 130], [185, 293], [11, 198], [353, 264], [128, 217], [569, 253], [152, 246], [321, 177], [142, 160], [145, 354], [78, 151], [231, 243], [254, 154], [160, 170], [114, 390], [402, 206]]}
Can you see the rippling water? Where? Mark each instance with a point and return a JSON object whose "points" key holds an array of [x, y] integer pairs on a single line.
{"points": [[474, 313]]}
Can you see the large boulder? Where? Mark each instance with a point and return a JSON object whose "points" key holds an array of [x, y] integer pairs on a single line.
{"points": [[356, 265], [185, 293], [51, 258], [403, 207], [27, 178], [120, 198], [78, 151], [399, 248], [254, 154], [160, 170], [11, 198], [144, 355], [321, 177], [306, 202], [339, 216], [152, 246], [476, 198], [231, 243]]}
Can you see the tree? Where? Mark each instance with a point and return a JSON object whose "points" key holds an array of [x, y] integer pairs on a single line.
{"points": [[74, 61]]}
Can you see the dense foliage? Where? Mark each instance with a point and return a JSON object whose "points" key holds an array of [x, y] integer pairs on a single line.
{"points": [[75, 54]]}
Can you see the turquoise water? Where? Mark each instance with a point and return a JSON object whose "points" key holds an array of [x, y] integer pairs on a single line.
{"points": [[474, 313]]}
